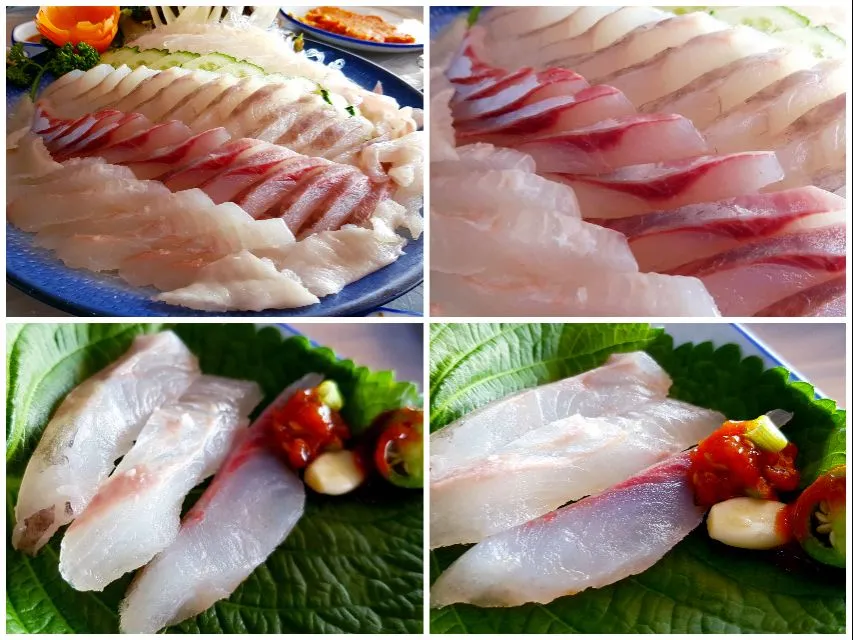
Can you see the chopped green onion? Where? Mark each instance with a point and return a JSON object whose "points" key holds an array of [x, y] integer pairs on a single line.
{"points": [[766, 435], [473, 14], [330, 395]]}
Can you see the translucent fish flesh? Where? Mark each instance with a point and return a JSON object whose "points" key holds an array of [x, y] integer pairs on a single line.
{"points": [[603, 33], [827, 299], [718, 91], [664, 240], [749, 278], [249, 509], [555, 444], [137, 511], [813, 149], [614, 143], [673, 68], [94, 426], [588, 544], [641, 44], [667, 185], [766, 114]]}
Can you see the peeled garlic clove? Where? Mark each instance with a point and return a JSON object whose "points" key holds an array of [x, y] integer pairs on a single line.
{"points": [[747, 523], [335, 473]]}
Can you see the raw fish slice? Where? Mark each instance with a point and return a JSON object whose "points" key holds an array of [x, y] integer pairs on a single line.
{"points": [[149, 88], [278, 187], [147, 166], [177, 93], [643, 43], [611, 144], [328, 261], [442, 137], [483, 196], [606, 293], [83, 102], [827, 299], [313, 196], [650, 187], [36, 210], [269, 99], [182, 443], [605, 32], [195, 104], [513, 22], [673, 68], [94, 425], [518, 91], [166, 269], [551, 115], [624, 381], [565, 460], [663, 240], [72, 134], [815, 145], [80, 83], [753, 124], [244, 282], [218, 111], [525, 242], [59, 128], [481, 157], [244, 172], [248, 510], [109, 84], [110, 132], [354, 206], [205, 169], [588, 544], [146, 142], [718, 91], [525, 47], [749, 278]]}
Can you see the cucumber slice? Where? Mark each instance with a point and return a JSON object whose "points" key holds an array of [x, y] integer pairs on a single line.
{"points": [[118, 57], [822, 42], [210, 62], [177, 59], [766, 19], [146, 58], [242, 69]]}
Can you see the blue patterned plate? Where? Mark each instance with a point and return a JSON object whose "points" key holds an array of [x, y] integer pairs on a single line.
{"points": [[39, 273]]}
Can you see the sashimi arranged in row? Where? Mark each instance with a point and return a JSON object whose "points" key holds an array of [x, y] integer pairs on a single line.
{"points": [[208, 256], [266, 180], [568, 439], [603, 136], [295, 112]]}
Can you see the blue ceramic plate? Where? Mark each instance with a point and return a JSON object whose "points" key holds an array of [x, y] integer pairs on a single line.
{"points": [[39, 273], [393, 15]]}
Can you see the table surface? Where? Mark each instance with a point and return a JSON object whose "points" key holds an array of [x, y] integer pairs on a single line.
{"points": [[408, 66]]}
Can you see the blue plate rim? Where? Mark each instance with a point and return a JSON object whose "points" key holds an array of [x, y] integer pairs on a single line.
{"points": [[385, 293], [379, 45]]}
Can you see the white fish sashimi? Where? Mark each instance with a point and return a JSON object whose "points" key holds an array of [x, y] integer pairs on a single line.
{"points": [[137, 511], [718, 91], [673, 68], [606, 293], [589, 544], [625, 380], [563, 461], [241, 281], [249, 509], [641, 188], [94, 426], [753, 124], [642, 44]]}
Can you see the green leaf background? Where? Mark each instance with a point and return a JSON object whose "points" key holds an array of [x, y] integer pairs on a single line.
{"points": [[700, 586], [352, 564]]}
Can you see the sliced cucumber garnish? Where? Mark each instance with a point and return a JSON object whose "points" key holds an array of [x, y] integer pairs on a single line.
{"points": [[822, 42], [766, 19]]}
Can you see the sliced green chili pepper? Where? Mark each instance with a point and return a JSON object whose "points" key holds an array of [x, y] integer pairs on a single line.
{"points": [[819, 520]]}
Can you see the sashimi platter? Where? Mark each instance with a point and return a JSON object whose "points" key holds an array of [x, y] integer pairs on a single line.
{"points": [[637, 161], [599, 479], [208, 163], [154, 482]]}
